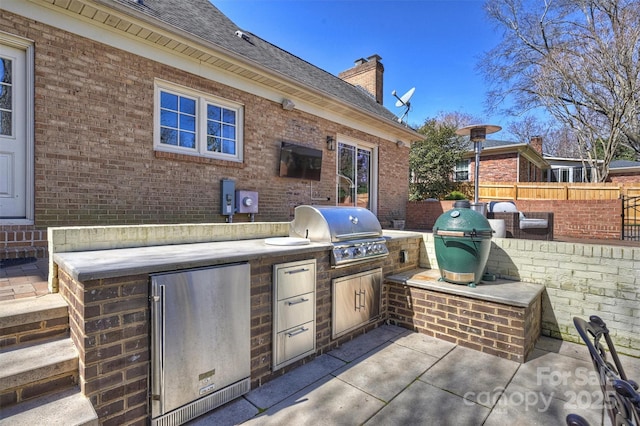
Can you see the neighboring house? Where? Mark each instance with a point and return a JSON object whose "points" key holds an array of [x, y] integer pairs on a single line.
{"points": [[624, 171], [570, 170], [129, 112], [574, 170], [504, 161]]}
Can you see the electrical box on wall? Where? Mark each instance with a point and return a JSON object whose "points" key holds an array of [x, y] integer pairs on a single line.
{"points": [[227, 197], [246, 202]]}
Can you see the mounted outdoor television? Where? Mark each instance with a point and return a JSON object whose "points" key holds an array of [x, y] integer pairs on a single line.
{"points": [[301, 162]]}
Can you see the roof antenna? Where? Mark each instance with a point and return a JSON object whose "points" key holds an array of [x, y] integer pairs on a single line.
{"points": [[404, 101]]}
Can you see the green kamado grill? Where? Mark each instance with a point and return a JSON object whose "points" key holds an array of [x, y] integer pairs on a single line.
{"points": [[462, 240]]}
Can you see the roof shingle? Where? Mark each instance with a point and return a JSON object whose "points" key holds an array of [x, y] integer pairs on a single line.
{"points": [[204, 20]]}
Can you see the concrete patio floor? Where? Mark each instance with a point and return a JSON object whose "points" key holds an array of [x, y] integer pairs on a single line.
{"points": [[392, 376]]}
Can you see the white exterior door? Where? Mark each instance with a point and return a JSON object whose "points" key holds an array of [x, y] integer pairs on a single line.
{"points": [[13, 133]]}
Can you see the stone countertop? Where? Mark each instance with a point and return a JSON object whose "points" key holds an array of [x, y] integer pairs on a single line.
{"points": [[101, 264], [507, 292]]}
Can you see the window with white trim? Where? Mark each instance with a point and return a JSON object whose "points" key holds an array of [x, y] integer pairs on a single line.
{"points": [[461, 171], [194, 123]]}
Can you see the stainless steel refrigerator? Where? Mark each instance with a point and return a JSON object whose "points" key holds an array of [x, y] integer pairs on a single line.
{"points": [[200, 341]]}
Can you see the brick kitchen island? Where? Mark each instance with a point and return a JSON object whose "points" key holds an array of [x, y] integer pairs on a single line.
{"points": [[108, 296]]}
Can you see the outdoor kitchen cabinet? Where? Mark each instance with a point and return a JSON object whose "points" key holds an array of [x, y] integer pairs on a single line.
{"points": [[356, 301], [294, 305]]}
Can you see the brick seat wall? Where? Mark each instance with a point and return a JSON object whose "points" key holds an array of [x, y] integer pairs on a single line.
{"points": [[506, 331]]}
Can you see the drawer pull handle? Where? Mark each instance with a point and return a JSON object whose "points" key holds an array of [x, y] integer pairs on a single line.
{"points": [[299, 331], [297, 271], [302, 299]]}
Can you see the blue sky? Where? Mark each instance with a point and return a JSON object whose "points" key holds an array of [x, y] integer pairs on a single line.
{"points": [[433, 45]]}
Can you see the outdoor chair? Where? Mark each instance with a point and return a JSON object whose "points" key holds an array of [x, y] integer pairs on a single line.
{"points": [[526, 225], [576, 420], [621, 398]]}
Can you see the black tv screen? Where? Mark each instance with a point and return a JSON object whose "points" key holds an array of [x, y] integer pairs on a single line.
{"points": [[301, 162]]}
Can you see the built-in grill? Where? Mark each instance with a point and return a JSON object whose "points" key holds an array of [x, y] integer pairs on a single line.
{"points": [[354, 232]]}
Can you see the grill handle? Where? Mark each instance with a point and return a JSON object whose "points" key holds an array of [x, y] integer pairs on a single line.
{"points": [[448, 233], [472, 234], [355, 235]]}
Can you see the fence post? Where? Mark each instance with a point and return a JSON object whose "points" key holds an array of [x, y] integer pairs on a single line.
{"points": [[622, 217]]}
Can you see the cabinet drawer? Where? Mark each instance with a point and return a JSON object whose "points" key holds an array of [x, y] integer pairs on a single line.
{"points": [[296, 278], [295, 342], [295, 310]]}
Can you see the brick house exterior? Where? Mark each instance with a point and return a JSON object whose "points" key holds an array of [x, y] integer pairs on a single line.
{"points": [[624, 171], [93, 73], [502, 161]]}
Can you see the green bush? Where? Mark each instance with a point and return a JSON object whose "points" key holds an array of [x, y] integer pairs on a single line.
{"points": [[455, 195]]}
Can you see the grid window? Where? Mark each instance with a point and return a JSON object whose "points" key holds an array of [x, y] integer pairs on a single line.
{"points": [[196, 124], [461, 171], [221, 129], [6, 102]]}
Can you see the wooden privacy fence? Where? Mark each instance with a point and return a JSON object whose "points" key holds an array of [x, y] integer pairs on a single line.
{"points": [[556, 191]]}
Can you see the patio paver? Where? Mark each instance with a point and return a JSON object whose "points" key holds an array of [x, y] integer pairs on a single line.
{"points": [[392, 376]]}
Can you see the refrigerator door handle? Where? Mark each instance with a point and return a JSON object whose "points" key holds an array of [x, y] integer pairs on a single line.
{"points": [[158, 346]]}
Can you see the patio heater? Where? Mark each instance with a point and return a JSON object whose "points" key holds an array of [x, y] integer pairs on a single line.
{"points": [[477, 134]]}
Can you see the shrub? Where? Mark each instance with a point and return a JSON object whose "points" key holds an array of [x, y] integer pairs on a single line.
{"points": [[455, 195]]}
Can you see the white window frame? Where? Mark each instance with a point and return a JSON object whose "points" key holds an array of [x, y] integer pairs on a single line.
{"points": [[456, 170], [202, 100], [373, 162]]}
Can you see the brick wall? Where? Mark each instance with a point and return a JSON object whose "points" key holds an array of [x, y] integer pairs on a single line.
{"points": [[506, 331], [588, 219], [580, 280], [95, 161], [110, 326], [368, 74], [497, 168], [509, 167], [623, 178], [19, 241]]}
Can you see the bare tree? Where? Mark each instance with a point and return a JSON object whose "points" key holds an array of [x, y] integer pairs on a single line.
{"points": [[561, 142], [580, 60], [456, 119], [528, 127]]}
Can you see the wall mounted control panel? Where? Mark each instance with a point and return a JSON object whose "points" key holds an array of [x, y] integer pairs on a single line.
{"points": [[246, 202], [227, 197]]}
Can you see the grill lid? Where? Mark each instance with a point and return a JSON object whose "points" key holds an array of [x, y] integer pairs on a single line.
{"points": [[334, 224], [462, 222]]}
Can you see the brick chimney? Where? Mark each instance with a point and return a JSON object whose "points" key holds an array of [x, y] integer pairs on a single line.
{"points": [[366, 73], [536, 143]]}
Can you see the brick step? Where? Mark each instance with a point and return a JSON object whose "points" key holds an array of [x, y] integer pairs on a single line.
{"points": [[33, 319], [32, 371], [23, 252], [64, 408]]}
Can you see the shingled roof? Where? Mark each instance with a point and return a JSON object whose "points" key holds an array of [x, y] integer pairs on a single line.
{"points": [[204, 20]]}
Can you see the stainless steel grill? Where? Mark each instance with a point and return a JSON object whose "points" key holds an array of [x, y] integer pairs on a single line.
{"points": [[355, 232]]}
